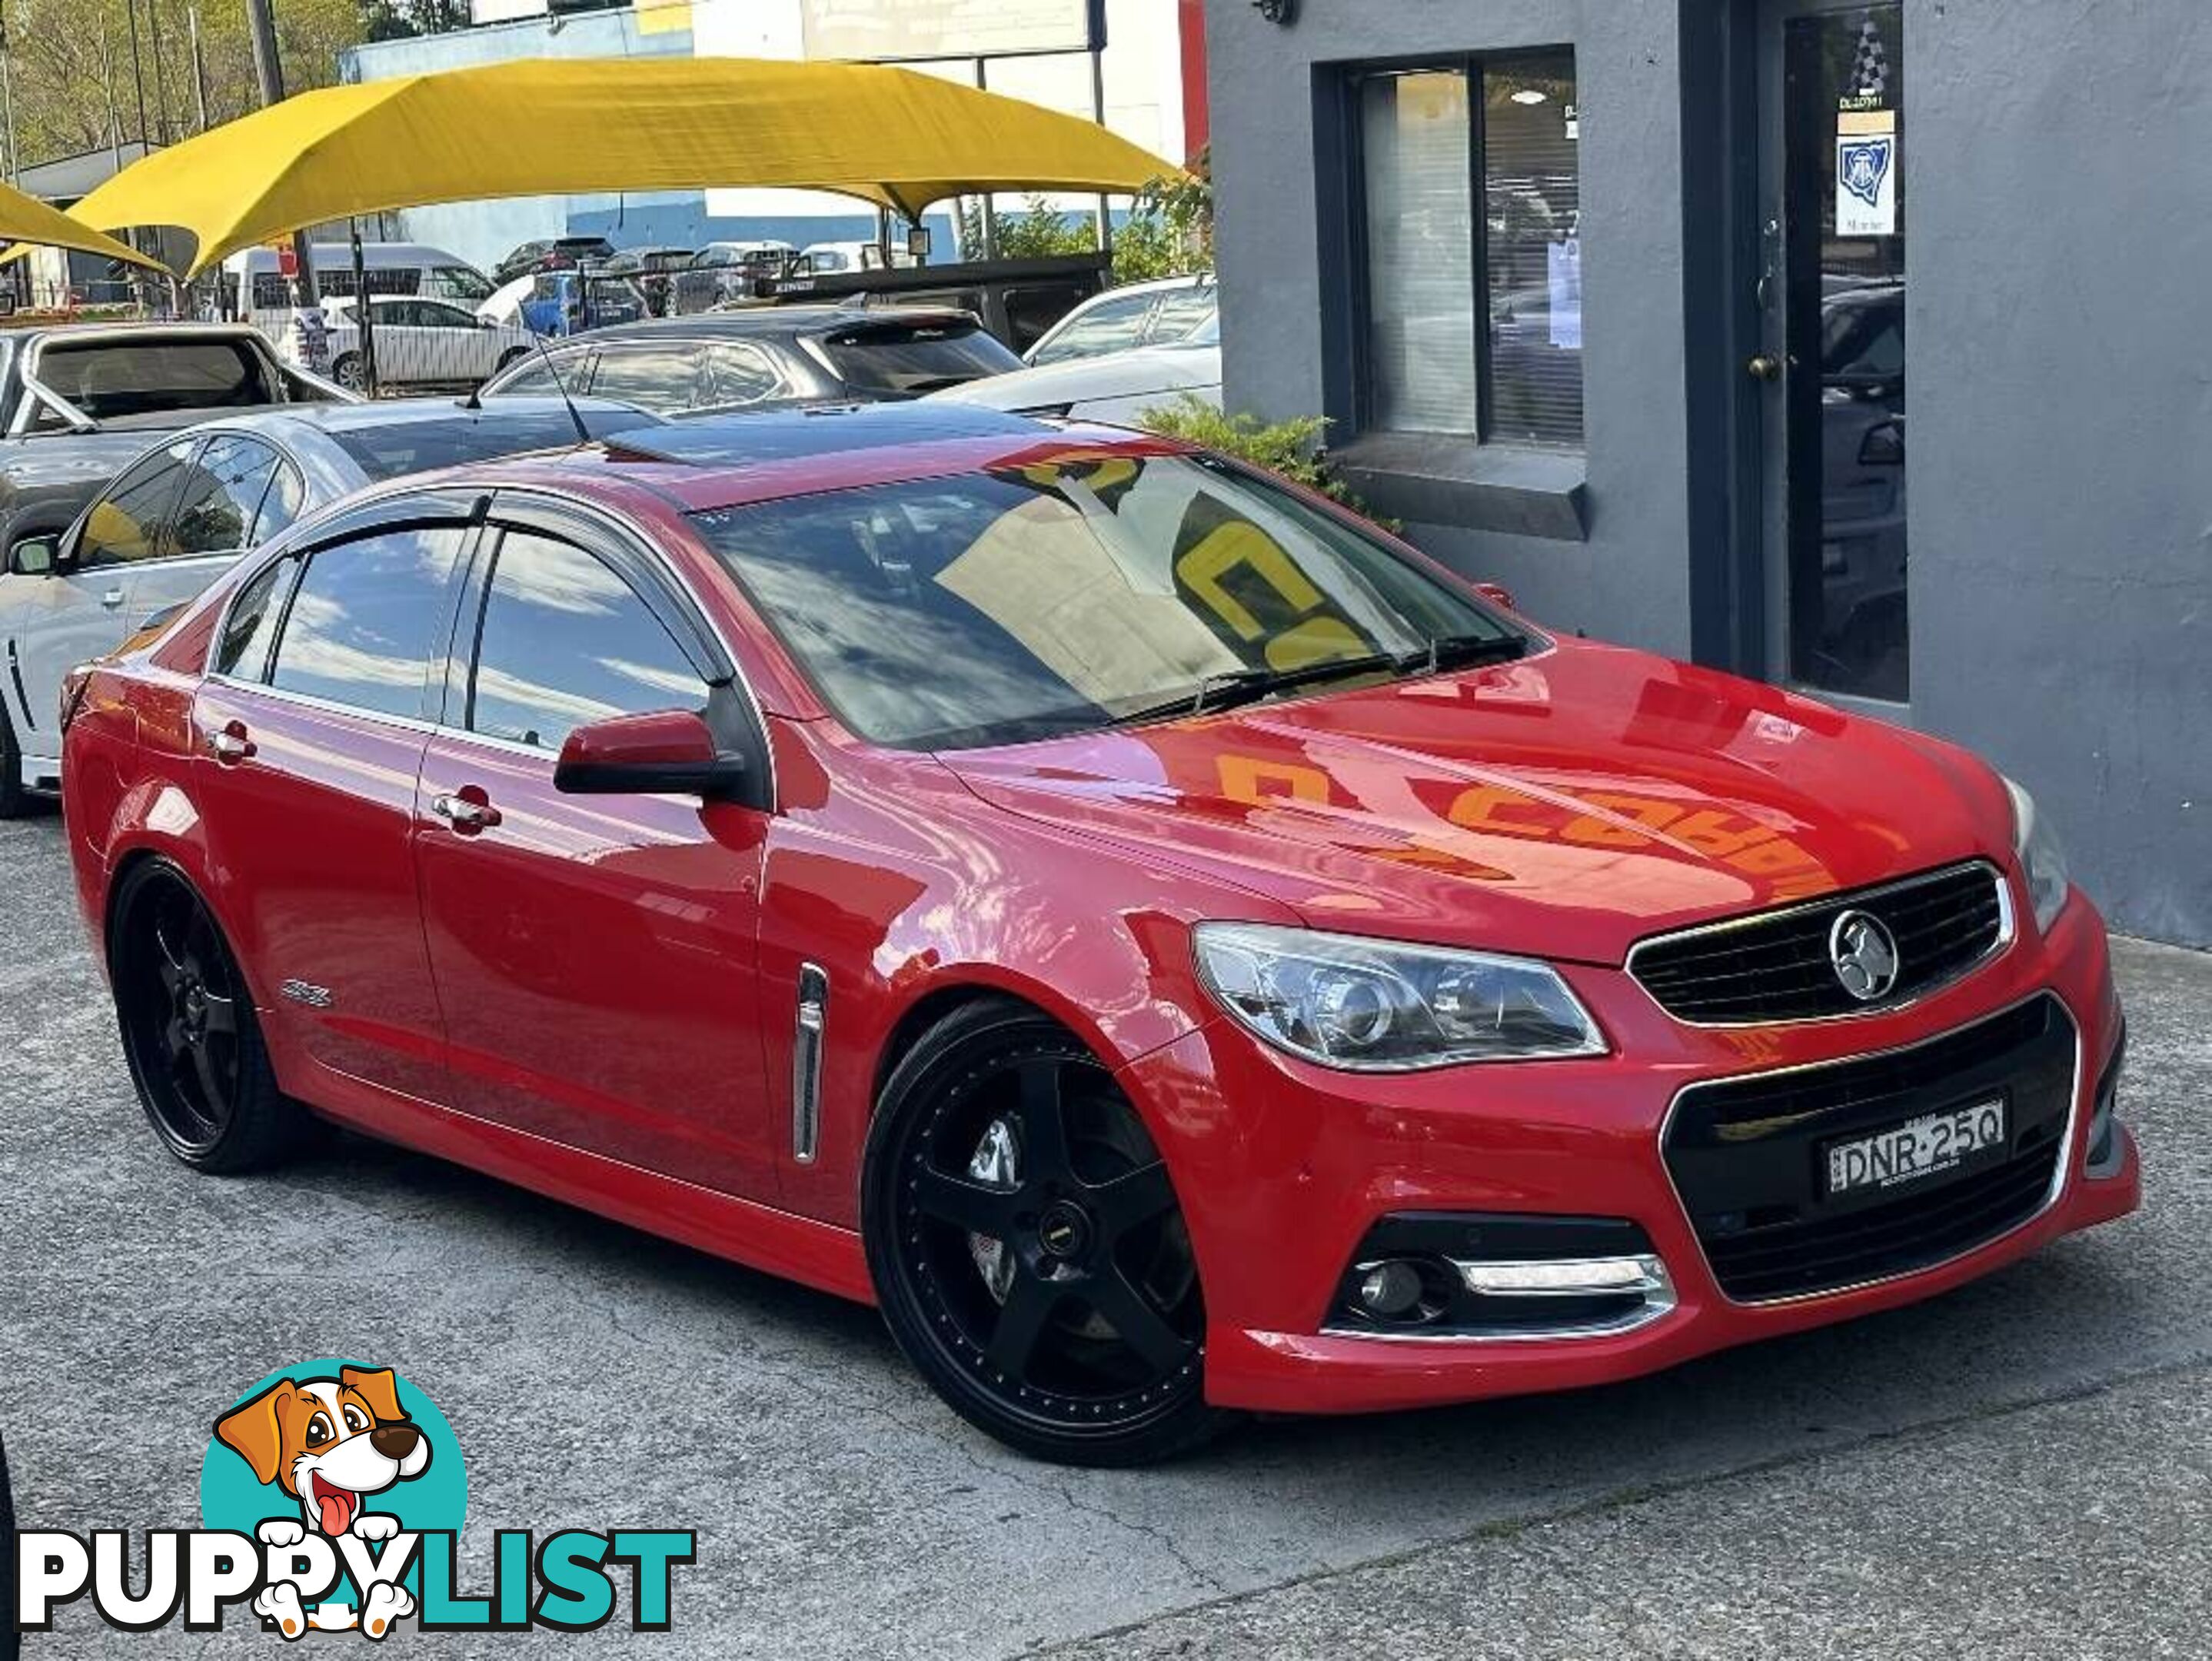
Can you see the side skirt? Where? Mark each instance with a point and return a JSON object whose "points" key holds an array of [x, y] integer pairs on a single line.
{"points": [[814, 1254]]}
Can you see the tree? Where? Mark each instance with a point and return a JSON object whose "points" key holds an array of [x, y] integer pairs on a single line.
{"points": [[78, 85]]}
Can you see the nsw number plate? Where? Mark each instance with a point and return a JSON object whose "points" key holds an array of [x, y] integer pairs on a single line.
{"points": [[1918, 1148]]}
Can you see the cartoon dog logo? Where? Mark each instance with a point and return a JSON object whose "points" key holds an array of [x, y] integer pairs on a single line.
{"points": [[329, 1443]]}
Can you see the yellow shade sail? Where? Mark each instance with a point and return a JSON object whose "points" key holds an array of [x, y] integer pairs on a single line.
{"points": [[27, 219], [556, 126]]}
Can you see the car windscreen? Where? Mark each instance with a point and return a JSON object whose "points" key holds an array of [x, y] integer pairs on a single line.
{"points": [[1069, 594], [128, 377], [415, 446], [895, 359]]}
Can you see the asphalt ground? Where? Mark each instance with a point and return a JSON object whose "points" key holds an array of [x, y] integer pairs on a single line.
{"points": [[2019, 1470]]}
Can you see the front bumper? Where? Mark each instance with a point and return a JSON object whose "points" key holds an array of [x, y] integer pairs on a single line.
{"points": [[1285, 1168]]}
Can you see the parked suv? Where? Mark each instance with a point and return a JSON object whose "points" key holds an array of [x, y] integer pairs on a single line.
{"points": [[180, 514]]}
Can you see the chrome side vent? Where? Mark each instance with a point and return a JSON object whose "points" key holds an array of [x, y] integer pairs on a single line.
{"points": [[807, 1062]]}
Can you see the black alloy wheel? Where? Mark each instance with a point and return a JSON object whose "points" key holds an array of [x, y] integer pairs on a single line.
{"points": [[188, 1030], [1028, 1248]]}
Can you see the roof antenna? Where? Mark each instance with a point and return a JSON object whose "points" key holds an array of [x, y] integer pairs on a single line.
{"points": [[583, 432]]}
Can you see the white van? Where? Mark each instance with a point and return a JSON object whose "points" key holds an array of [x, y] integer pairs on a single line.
{"points": [[263, 296]]}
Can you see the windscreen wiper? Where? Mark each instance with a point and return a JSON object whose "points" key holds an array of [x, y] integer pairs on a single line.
{"points": [[1466, 651], [1230, 687]]}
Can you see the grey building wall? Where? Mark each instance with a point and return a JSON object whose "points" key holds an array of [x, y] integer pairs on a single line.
{"points": [[2059, 161], [2061, 424]]}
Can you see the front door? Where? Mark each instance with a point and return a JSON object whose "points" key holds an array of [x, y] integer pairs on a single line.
{"points": [[85, 609], [593, 954], [1831, 356]]}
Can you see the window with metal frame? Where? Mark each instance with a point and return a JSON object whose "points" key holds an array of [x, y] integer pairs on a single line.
{"points": [[1468, 209], [563, 642], [358, 631]]}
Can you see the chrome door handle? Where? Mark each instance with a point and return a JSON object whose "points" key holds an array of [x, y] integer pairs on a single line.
{"points": [[112, 599], [231, 745], [463, 815], [1764, 368]]}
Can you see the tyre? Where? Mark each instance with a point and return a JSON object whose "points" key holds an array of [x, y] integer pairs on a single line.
{"points": [[15, 800], [350, 373], [1027, 1247], [189, 1036]]}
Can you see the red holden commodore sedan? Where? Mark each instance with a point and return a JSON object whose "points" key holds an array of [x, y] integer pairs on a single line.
{"points": [[1173, 947]]}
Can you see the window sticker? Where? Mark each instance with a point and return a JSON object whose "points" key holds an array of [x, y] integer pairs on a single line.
{"points": [[1866, 172]]}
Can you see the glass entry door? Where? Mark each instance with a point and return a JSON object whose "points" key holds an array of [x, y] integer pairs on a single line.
{"points": [[1830, 363]]}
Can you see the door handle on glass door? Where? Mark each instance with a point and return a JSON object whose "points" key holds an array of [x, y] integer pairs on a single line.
{"points": [[1764, 368], [465, 810]]}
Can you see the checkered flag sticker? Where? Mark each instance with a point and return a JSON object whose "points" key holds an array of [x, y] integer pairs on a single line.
{"points": [[1871, 71]]}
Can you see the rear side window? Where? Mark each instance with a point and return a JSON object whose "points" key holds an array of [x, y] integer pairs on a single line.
{"points": [[738, 374], [662, 379], [243, 652], [287, 498], [567, 641], [358, 631], [895, 359], [1183, 310], [222, 497]]}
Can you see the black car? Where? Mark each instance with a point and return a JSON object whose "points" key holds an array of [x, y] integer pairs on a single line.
{"points": [[553, 253], [766, 355]]}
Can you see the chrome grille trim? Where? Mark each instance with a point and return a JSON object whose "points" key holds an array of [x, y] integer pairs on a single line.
{"points": [[1827, 906]]}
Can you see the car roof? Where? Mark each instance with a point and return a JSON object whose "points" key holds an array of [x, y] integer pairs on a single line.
{"points": [[177, 329], [334, 418], [703, 463], [748, 321]]}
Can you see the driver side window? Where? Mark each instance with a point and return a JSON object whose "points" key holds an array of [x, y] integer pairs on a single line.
{"points": [[126, 523], [567, 641]]}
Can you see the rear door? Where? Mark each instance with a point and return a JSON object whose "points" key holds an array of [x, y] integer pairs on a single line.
{"points": [[85, 609], [593, 954], [315, 713]]}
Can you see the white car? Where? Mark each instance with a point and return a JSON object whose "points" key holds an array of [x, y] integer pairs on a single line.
{"points": [[418, 343], [180, 515], [1166, 312], [1113, 387]]}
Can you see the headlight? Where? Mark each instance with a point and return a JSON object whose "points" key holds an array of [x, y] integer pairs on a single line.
{"points": [[2041, 859], [1379, 1006]]}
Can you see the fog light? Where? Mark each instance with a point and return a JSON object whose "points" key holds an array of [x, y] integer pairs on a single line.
{"points": [[1390, 1291]]}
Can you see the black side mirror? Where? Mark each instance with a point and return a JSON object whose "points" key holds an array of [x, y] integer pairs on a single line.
{"points": [[36, 556]]}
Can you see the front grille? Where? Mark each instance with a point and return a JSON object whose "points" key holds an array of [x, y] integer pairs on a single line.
{"points": [[1779, 967], [1748, 1155]]}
